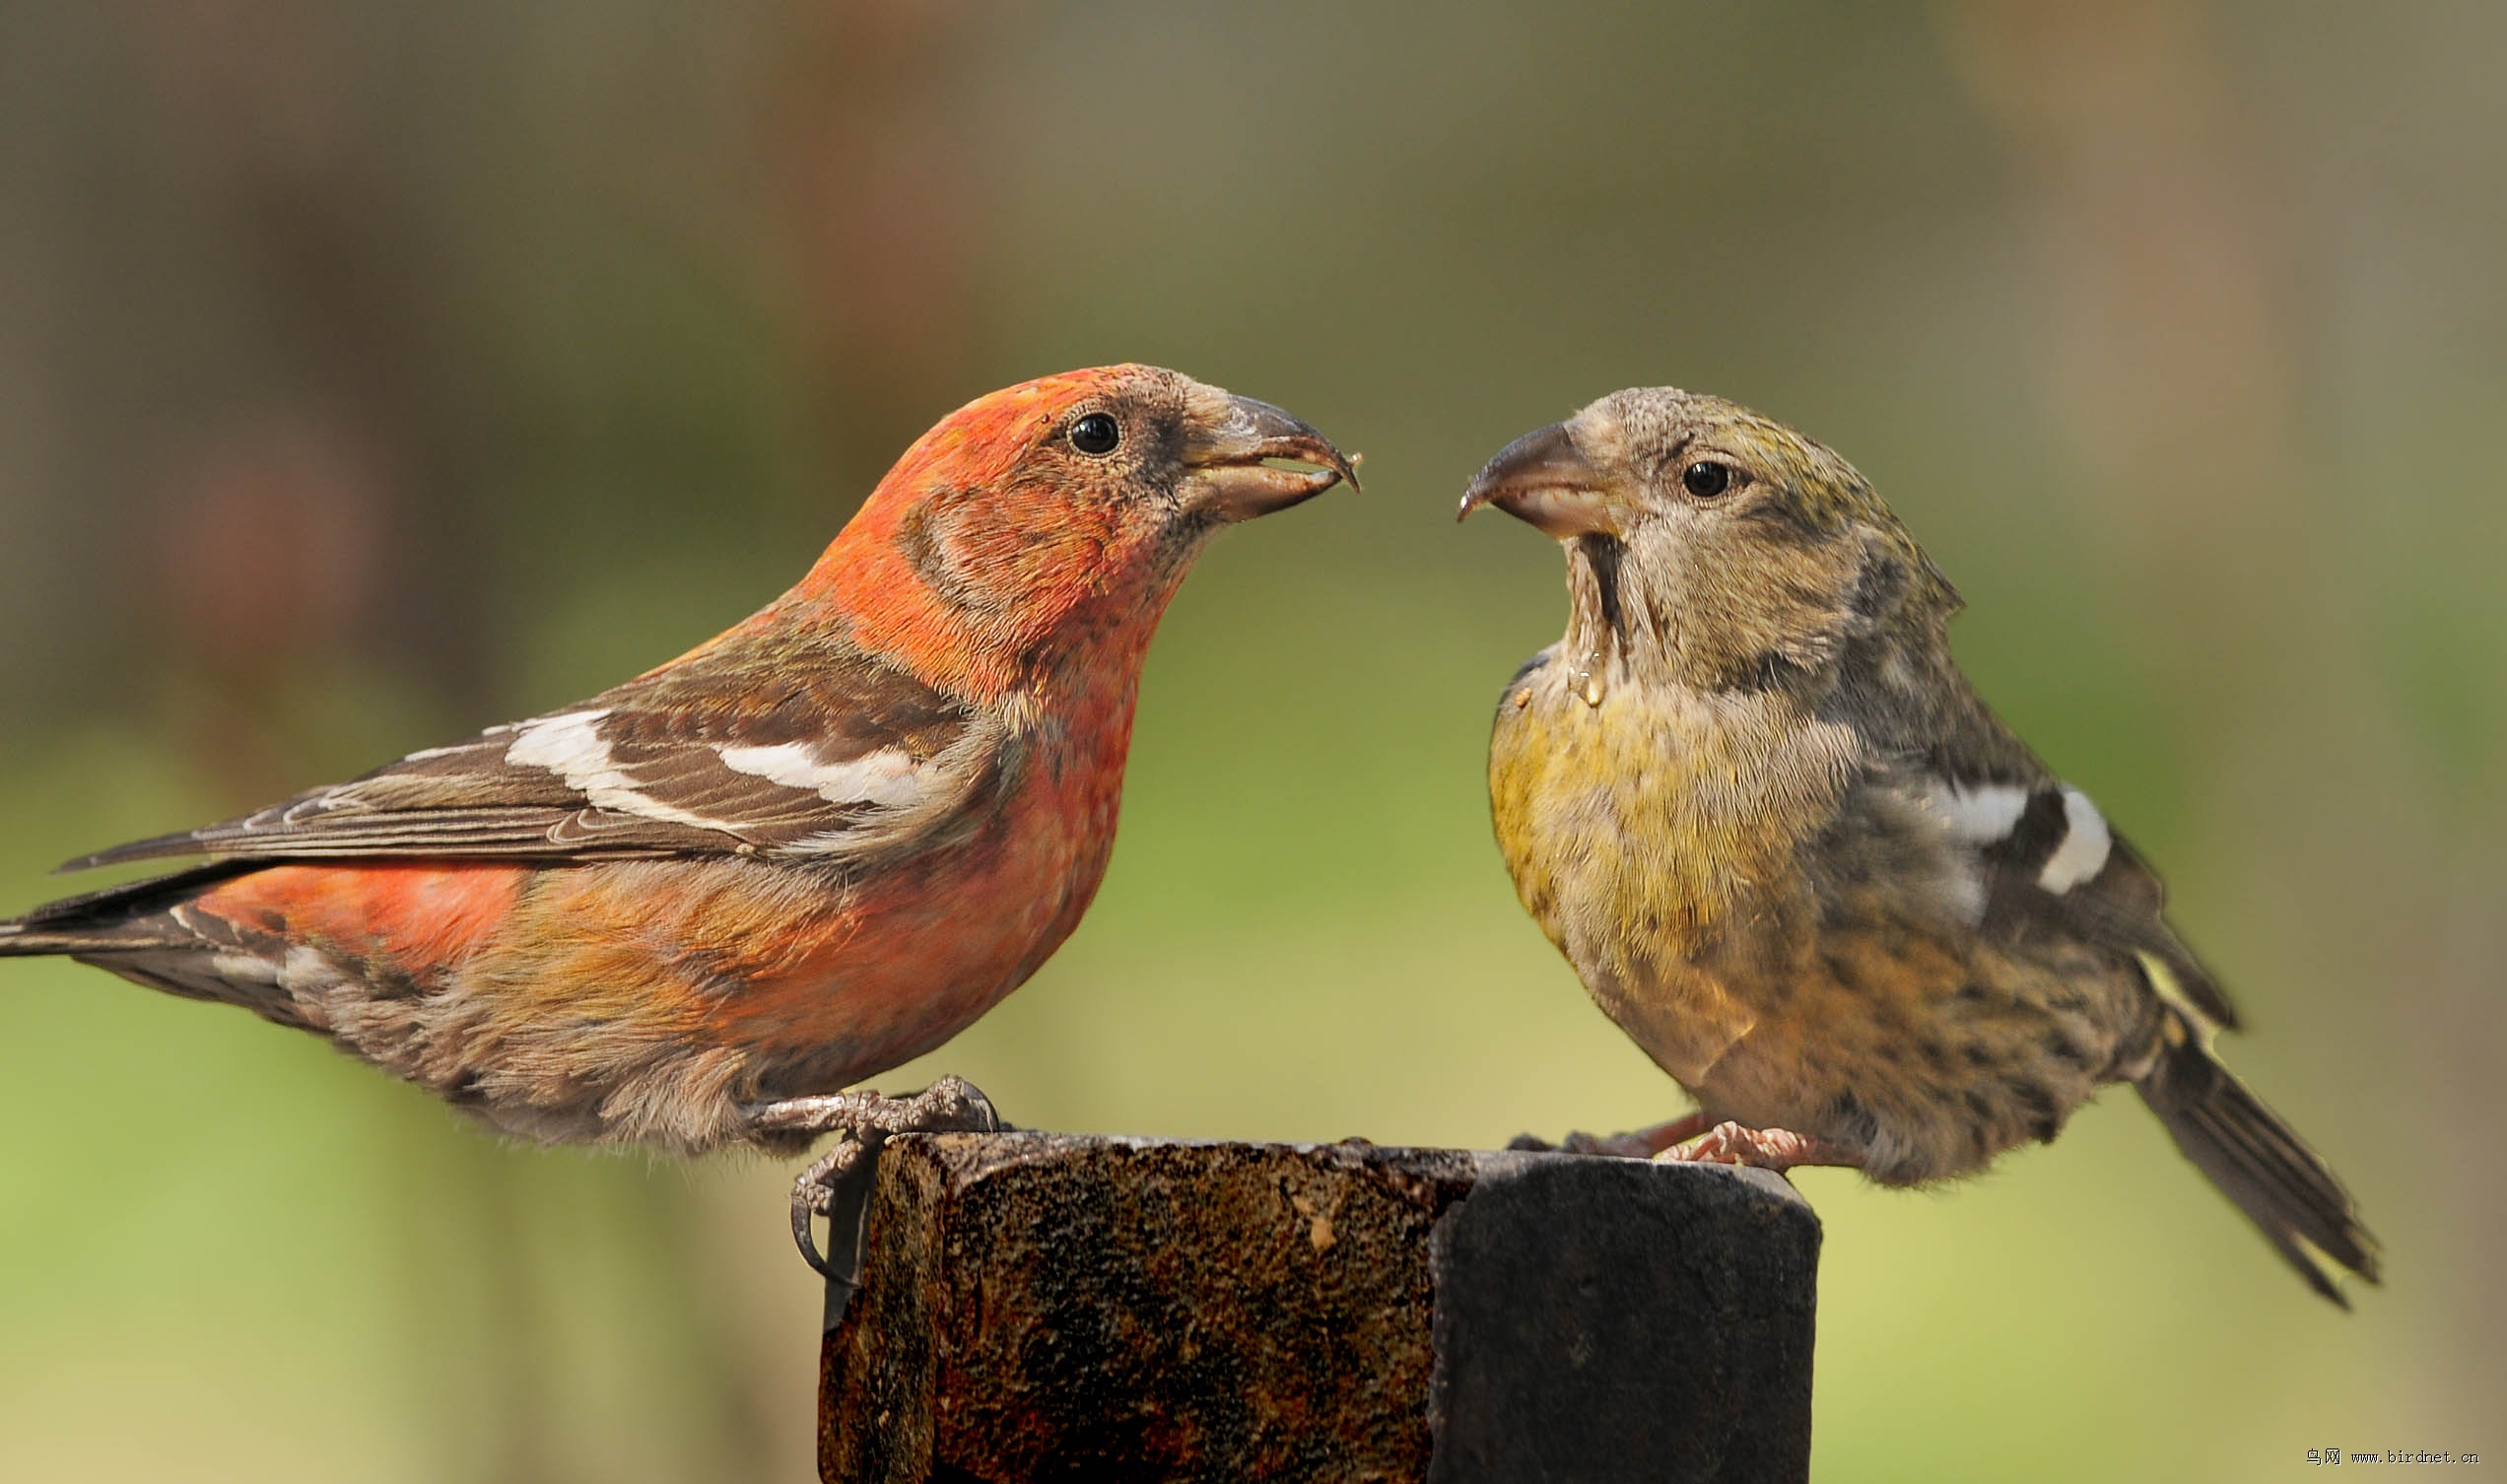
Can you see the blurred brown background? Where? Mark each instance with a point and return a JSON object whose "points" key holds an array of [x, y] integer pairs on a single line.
{"points": [[370, 372]]}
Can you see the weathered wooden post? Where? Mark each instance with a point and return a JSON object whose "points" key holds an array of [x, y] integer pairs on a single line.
{"points": [[1049, 1306]]}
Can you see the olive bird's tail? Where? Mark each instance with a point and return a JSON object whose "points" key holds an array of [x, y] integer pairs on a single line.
{"points": [[2260, 1163]]}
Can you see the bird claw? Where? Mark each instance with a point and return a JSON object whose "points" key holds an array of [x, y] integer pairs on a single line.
{"points": [[836, 1185], [1777, 1149]]}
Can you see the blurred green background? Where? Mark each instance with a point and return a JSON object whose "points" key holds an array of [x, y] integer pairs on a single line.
{"points": [[370, 372]]}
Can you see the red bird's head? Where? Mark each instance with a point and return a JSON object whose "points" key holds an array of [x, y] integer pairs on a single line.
{"points": [[1050, 521]]}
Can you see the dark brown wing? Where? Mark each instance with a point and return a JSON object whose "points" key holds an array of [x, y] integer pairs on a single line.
{"points": [[2048, 862], [818, 751]]}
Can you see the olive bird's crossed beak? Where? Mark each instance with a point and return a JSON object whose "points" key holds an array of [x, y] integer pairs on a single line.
{"points": [[1546, 481]]}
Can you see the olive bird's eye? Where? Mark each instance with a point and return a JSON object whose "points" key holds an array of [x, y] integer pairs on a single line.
{"points": [[1096, 433], [1707, 478]]}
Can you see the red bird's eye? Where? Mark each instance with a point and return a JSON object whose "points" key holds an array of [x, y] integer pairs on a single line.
{"points": [[1096, 435], [1705, 479]]}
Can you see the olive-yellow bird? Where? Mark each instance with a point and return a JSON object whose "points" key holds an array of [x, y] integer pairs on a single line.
{"points": [[1792, 854]]}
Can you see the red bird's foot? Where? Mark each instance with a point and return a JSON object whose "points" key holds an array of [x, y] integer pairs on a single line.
{"points": [[834, 1186], [1637, 1145], [1760, 1148]]}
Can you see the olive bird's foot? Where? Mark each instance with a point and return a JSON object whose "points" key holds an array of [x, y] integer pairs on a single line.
{"points": [[1638, 1144], [837, 1185], [1761, 1149]]}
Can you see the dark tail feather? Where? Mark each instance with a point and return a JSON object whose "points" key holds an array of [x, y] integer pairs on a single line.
{"points": [[2261, 1164], [30, 937], [116, 917], [17, 941], [24, 940]]}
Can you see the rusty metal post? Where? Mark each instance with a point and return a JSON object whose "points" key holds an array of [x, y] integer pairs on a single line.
{"points": [[1047, 1306]]}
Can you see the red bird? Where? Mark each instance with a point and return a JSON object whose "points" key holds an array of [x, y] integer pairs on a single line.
{"points": [[690, 910]]}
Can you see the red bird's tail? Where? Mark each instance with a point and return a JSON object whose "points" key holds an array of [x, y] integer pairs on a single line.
{"points": [[118, 918], [131, 929], [134, 930]]}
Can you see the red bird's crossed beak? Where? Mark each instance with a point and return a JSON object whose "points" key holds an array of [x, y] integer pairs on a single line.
{"points": [[1229, 447], [1546, 481]]}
